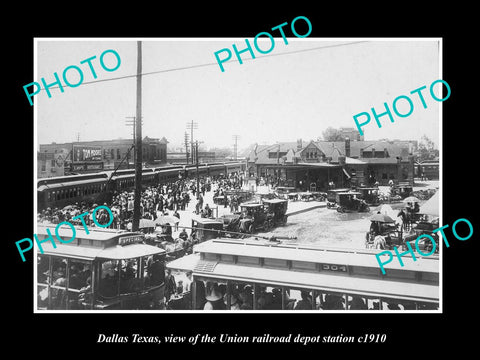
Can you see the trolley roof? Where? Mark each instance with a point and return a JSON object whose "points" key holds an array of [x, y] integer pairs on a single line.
{"points": [[324, 281], [310, 253], [97, 244], [62, 185]]}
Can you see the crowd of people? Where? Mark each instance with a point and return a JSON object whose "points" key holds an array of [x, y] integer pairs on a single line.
{"points": [[155, 201], [211, 295]]}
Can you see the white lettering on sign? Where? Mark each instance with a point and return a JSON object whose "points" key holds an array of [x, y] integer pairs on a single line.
{"points": [[333, 267], [127, 240]]}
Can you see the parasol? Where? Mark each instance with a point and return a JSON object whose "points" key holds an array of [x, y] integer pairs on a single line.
{"points": [[411, 199], [382, 218], [166, 219], [146, 223]]}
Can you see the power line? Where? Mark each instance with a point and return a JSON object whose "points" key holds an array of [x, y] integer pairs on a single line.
{"points": [[213, 63]]}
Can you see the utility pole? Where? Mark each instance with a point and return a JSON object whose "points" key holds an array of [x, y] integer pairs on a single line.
{"points": [[278, 163], [138, 143], [131, 121], [235, 138], [186, 145], [198, 177], [191, 126]]}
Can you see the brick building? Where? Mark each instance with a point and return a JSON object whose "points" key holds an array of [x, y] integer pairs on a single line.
{"points": [[91, 156], [315, 164]]}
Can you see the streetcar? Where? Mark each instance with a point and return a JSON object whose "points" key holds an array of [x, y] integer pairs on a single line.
{"points": [[261, 275], [103, 269], [100, 187]]}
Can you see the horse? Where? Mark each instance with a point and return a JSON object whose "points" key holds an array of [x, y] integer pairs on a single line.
{"points": [[379, 242]]}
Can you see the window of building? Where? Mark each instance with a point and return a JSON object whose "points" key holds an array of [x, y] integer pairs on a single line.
{"points": [[118, 154]]}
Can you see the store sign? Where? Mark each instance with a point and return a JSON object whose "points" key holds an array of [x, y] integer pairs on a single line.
{"points": [[87, 153], [78, 167], [127, 240]]}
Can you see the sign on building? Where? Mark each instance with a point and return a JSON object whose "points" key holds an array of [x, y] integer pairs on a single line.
{"points": [[82, 153]]}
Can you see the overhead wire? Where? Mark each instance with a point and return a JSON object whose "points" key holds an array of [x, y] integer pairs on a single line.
{"points": [[213, 63]]}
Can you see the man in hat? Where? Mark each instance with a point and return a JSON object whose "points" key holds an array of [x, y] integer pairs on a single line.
{"points": [[170, 284], [183, 235], [234, 305], [214, 298]]}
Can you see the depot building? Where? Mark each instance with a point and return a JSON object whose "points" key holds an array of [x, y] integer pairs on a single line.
{"points": [[314, 165]]}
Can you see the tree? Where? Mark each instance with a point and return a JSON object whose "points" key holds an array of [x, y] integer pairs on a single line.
{"points": [[426, 149], [332, 134]]}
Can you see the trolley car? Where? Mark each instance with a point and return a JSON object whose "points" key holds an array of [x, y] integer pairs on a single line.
{"points": [[100, 270], [277, 276], [99, 187]]}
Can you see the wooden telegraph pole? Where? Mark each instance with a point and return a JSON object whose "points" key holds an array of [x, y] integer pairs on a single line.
{"points": [[138, 143], [198, 176]]}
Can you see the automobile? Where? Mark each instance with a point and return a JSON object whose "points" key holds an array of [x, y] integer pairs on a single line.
{"points": [[369, 194], [278, 207], [348, 201], [319, 195], [231, 224], [332, 198], [283, 192], [206, 229], [403, 190], [255, 217], [242, 195]]}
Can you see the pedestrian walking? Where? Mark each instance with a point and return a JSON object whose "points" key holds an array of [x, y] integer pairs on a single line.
{"points": [[177, 215]]}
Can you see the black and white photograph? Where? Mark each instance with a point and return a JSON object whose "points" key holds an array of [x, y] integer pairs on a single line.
{"points": [[299, 180]]}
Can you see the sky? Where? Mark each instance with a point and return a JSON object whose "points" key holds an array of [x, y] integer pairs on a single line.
{"points": [[288, 94]]}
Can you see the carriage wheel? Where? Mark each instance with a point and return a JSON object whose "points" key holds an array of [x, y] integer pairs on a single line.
{"points": [[251, 228], [266, 225]]}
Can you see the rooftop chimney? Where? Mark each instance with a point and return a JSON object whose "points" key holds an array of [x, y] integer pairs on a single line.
{"points": [[347, 146], [299, 144]]}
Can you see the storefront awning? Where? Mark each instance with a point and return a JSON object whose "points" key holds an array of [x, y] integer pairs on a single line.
{"points": [[320, 165]]}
